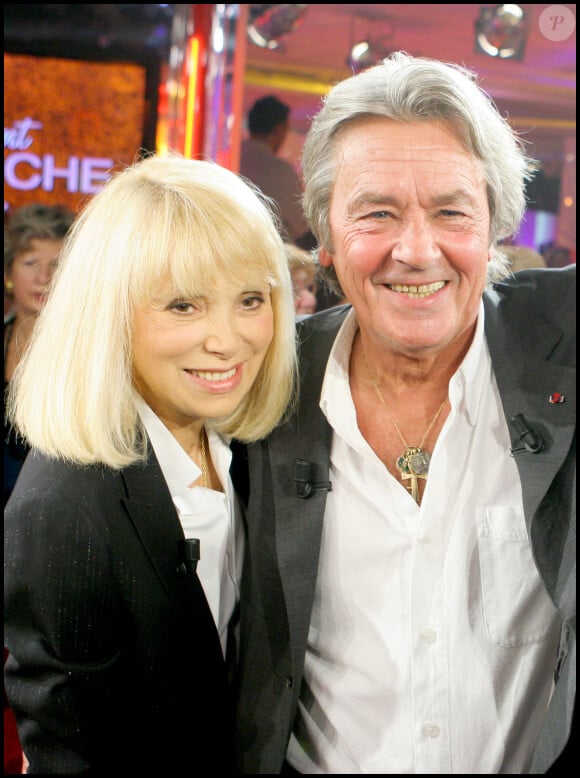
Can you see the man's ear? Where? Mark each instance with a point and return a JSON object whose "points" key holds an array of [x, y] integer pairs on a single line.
{"points": [[324, 257]]}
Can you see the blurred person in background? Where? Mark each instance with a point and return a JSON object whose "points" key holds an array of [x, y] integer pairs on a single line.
{"points": [[558, 256], [33, 239], [522, 257], [169, 329], [303, 271], [268, 125]]}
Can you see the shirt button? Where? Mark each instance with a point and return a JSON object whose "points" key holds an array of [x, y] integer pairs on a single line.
{"points": [[428, 636], [431, 731], [423, 540]]}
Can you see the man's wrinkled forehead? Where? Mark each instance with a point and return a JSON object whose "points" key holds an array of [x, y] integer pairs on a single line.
{"points": [[377, 145]]}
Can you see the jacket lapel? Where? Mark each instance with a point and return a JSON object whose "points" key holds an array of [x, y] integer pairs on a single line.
{"points": [[156, 522], [299, 520], [526, 384]]}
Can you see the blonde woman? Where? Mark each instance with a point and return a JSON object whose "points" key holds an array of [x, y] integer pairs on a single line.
{"points": [[169, 331]]}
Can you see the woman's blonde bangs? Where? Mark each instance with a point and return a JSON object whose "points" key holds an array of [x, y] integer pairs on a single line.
{"points": [[217, 239]]}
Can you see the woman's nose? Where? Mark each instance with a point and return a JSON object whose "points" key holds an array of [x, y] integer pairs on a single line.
{"points": [[221, 336], [44, 272]]}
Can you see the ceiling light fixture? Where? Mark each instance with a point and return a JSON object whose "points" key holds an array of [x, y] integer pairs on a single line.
{"points": [[268, 23], [366, 50], [501, 31]]}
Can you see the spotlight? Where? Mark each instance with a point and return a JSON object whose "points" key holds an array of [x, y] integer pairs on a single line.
{"points": [[501, 31], [370, 49], [268, 23], [362, 55], [366, 53]]}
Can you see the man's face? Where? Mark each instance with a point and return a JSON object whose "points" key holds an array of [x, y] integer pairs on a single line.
{"points": [[410, 222]]}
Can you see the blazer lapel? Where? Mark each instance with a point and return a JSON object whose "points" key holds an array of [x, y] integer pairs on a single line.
{"points": [[526, 384], [299, 520], [156, 522]]}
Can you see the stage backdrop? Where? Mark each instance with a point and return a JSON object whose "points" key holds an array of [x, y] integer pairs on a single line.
{"points": [[67, 125]]}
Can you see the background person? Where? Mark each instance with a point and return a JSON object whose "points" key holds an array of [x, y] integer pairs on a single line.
{"points": [[558, 256], [268, 125], [303, 272], [522, 257], [33, 239], [408, 600], [169, 329]]}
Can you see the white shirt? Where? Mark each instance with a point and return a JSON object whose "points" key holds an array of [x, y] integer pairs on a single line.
{"points": [[211, 516], [432, 642]]}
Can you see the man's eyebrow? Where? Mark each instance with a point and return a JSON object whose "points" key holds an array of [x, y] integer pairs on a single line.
{"points": [[366, 199], [452, 197], [455, 196]]}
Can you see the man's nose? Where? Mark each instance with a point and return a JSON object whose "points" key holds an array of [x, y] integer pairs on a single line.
{"points": [[416, 244]]}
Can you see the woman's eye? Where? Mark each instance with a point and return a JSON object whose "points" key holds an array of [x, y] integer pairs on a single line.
{"points": [[180, 306], [252, 301]]}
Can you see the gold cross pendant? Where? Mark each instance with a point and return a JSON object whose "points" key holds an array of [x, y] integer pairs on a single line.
{"points": [[405, 465], [414, 485]]}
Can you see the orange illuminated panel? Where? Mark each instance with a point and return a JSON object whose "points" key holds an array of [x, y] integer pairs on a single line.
{"points": [[192, 99], [67, 124]]}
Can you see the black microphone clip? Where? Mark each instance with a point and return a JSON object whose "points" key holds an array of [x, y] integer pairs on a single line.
{"points": [[190, 556], [532, 441], [303, 482]]}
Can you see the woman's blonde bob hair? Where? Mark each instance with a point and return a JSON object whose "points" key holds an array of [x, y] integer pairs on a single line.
{"points": [[72, 396]]}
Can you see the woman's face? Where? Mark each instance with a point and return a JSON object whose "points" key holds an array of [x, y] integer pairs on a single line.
{"points": [[198, 358], [30, 275]]}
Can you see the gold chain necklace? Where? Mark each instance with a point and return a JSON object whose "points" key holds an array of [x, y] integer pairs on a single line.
{"points": [[413, 462], [203, 460]]}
